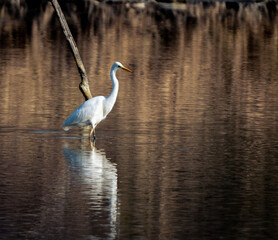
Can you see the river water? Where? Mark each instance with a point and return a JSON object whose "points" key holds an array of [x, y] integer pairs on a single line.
{"points": [[189, 150]]}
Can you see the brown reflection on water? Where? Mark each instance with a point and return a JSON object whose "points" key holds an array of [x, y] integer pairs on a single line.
{"points": [[169, 53], [194, 129]]}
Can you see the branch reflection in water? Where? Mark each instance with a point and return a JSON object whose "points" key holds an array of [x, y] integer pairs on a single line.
{"points": [[98, 176]]}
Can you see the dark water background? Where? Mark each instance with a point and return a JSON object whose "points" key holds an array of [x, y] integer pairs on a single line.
{"points": [[190, 148]]}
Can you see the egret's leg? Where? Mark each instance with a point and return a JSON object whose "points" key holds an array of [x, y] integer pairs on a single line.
{"points": [[92, 144], [92, 133]]}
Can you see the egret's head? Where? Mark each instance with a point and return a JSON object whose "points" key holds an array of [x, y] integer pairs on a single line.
{"points": [[118, 65]]}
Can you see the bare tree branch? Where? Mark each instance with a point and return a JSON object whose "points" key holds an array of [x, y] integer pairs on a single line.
{"points": [[84, 85]]}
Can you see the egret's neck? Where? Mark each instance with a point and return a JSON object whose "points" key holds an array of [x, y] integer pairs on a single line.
{"points": [[113, 95]]}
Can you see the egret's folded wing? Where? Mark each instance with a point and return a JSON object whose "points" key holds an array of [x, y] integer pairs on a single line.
{"points": [[83, 114]]}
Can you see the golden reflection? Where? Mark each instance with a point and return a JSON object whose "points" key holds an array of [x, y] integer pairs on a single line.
{"points": [[98, 178], [170, 47]]}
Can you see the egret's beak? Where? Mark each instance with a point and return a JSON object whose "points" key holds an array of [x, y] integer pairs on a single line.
{"points": [[124, 68]]}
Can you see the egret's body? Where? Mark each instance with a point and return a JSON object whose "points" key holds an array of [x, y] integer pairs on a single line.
{"points": [[94, 110]]}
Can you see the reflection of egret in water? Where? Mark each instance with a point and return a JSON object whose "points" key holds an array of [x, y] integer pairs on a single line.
{"points": [[99, 176]]}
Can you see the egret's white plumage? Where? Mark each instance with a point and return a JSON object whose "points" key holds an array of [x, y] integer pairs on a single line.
{"points": [[94, 110]]}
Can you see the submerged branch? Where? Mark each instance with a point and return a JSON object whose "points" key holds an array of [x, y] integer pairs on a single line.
{"points": [[84, 85]]}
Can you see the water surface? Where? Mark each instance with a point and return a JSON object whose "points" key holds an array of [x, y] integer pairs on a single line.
{"points": [[190, 148]]}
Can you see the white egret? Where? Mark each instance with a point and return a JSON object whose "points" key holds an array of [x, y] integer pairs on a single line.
{"points": [[94, 110]]}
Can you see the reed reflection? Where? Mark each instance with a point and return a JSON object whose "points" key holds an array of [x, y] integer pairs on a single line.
{"points": [[97, 177]]}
